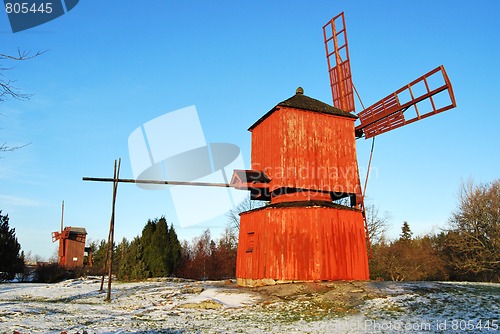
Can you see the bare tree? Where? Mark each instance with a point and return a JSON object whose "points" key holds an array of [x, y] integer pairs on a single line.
{"points": [[7, 88], [234, 215], [5, 148], [473, 240], [408, 259], [376, 222]]}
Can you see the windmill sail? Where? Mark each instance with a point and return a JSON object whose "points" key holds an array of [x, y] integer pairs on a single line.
{"points": [[339, 68], [428, 95]]}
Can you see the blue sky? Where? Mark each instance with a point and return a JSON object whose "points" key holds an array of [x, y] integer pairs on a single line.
{"points": [[112, 66]]}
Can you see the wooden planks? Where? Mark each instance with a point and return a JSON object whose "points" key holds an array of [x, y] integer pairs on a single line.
{"points": [[302, 243], [307, 150]]}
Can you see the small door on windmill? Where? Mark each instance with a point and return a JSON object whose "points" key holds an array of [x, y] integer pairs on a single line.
{"points": [[250, 241]]}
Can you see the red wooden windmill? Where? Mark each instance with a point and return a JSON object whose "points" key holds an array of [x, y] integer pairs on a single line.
{"points": [[304, 159], [71, 244], [304, 162]]}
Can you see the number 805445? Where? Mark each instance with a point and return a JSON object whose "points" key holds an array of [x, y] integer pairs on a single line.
{"points": [[25, 8]]}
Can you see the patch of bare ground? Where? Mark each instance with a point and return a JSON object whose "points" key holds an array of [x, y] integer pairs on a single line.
{"points": [[313, 301]]}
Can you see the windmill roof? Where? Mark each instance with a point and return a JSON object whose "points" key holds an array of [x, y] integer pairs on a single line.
{"points": [[301, 101], [79, 230]]}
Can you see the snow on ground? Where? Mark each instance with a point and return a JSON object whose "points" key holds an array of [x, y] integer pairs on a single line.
{"points": [[178, 306], [436, 307]]}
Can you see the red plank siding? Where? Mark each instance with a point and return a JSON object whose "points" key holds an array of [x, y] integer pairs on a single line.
{"points": [[302, 243], [303, 149], [307, 148], [71, 249]]}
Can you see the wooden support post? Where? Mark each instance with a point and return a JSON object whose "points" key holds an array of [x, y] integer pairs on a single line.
{"points": [[112, 227], [105, 264]]}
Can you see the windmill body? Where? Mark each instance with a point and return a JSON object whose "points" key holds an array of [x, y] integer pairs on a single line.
{"points": [[304, 162], [71, 250], [307, 151]]}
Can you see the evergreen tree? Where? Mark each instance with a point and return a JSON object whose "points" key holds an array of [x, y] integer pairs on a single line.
{"points": [[156, 253], [175, 251], [11, 260], [146, 240], [99, 254], [132, 266], [119, 254], [159, 249], [148, 231], [406, 233]]}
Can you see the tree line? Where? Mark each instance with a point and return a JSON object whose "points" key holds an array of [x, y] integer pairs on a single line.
{"points": [[157, 252], [467, 249]]}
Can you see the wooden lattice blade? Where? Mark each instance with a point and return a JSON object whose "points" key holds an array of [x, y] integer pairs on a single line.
{"points": [[56, 236], [59, 235], [339, 68], [428, 95]]}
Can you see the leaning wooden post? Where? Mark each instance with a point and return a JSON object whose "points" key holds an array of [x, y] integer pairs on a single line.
{"points": [[112, 228], [105, 263], [106, 258]]}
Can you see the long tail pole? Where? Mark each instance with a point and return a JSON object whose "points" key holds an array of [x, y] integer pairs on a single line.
{"points": [[62, 216], [160, 182]]}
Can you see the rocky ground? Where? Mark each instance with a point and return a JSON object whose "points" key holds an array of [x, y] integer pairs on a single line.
{"points": [[182, 306]]}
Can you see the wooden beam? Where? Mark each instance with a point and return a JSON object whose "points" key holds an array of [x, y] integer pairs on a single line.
{"points": [[161, 182]]}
